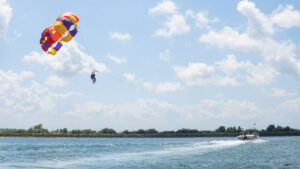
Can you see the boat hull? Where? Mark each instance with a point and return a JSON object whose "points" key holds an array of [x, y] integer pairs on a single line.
{"points": [[247, 137]]}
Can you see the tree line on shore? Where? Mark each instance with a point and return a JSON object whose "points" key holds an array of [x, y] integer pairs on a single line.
{"points": [[38, 130]]}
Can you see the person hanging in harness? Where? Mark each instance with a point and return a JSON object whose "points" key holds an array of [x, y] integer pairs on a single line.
{"points": [[93, 76]]}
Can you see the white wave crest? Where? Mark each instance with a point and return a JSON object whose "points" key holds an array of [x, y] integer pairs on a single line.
{"points": [[220, 143], [260, 141]]}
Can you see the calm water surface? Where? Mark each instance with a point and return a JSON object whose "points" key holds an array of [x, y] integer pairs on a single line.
{"points": [[267, 152]]}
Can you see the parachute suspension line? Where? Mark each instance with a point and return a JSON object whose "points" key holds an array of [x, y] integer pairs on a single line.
{"points": [[85, 45], [81, 36], [109, 75], [84, 41]]}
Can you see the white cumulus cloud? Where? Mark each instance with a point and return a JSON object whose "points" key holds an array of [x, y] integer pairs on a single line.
{"points": [[55, 81], [278, 55], [229, 65], [157, 88], [203, 74], [163, 87], [260, 74], [201, 18], [20, 95], [175, 24], [120, 36], [259, 24], [130, 77], [286, 17], [5, 16], [168, 87], [117, 60], [276, 92], [165, 55], [195, 73], [227, 72], [229, 38], [69, 60], [165, 7], [15, 97]]}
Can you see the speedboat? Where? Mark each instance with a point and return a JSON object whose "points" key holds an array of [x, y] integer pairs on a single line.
{"points": [[248, 136]]}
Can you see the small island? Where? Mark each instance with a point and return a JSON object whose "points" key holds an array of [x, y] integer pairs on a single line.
{"points": [[222, 131]]}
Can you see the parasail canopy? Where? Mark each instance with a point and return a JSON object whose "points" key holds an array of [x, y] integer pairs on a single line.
{"points": [[62, 30]]}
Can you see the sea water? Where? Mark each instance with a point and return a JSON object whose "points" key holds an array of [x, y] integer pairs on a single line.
{"points": [[266, 152]]}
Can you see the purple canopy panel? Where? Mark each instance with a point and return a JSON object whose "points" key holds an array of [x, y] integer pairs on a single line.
{"points": [[58, 46], [73, 32], [67, 22]]}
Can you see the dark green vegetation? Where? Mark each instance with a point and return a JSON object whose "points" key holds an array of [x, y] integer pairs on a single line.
{"points": [[222, 131]]}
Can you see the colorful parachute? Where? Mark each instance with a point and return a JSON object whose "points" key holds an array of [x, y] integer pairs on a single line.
{"points": [[63, 30]]}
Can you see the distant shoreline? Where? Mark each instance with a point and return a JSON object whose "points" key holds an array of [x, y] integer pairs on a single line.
{"points": [[222, 131], [190, 135]]}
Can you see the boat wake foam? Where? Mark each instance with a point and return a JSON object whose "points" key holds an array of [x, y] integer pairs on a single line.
{"points": [[167, 150]]}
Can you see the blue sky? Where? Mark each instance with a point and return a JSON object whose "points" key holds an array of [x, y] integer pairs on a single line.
{"points": [[162, 64]]}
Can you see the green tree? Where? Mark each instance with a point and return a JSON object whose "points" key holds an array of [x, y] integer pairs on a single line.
{"points": [[221, 129], [30, 130], [151, 131], [287, 128], [271, 128], [63, 131], [77, 131], [37, 129], [108, 131], [239, 129], [20, 131], [141, 131], [279, 128], [88, 131], [126, 132], [183, 130], [231, 130], [168, 132]]}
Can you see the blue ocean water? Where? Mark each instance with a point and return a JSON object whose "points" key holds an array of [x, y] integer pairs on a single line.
{"points": [[266, 152]]}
